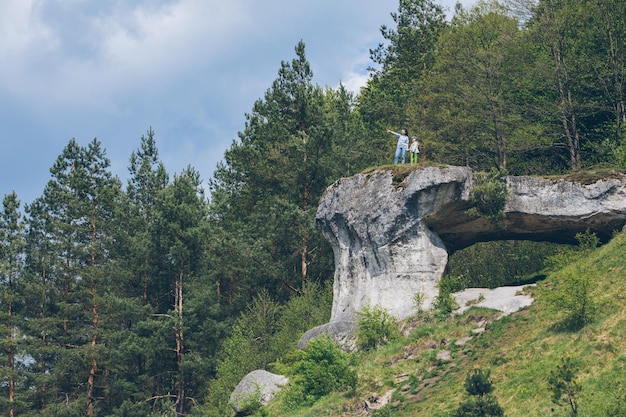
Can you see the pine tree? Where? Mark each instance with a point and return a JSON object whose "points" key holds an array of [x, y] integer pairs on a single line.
{"points": [[41, 298], [273, 179], [179, 225], [148, 178], [482, 403], [11, 277], [80, 201]]}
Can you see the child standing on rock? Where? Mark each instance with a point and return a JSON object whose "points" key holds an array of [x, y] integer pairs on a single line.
{"points": [[415, 150]]}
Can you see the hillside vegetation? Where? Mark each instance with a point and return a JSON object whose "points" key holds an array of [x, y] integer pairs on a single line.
{"points": [[521, 351]]}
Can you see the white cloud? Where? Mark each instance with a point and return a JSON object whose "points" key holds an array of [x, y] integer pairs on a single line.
{"points": [[21, 34], [20, 28], [120, 48], [168, 38], [354, 81]]}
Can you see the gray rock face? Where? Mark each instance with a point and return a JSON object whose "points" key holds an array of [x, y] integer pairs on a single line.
{"points": [[342, 332], [259, 386], [384, 252], [540, 209], [391, 236]]}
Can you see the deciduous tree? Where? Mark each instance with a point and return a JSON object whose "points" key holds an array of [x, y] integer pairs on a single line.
{"points": [[469, 102]]}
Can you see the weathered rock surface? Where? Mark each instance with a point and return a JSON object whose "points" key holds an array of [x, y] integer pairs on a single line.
{"points": [[540, 209], [384, 252], [342, 332], [259, 386], [505, 299], [391, 236]]}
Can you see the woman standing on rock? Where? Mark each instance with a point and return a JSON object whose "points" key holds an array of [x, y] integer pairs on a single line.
{"points": [[403, 144]]}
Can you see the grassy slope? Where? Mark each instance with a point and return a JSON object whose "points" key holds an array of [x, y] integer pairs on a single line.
{"points": [[520, 351]]}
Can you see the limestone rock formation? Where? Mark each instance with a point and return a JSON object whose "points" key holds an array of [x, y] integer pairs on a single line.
{"points": [[384, 252], [540, 209], [391, 236]]}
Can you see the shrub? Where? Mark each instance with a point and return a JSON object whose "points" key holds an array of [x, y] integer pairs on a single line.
{"points": [[318, 370], [564, 256], [587, 242], [572, 294], [478, 383], [444, 303], [376, 327], [263, 333], [251, 405], [301, 313], [479, 407], [418, 302], [497, 263]]}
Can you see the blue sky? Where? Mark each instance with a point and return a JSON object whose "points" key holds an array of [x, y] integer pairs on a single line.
{"points": [[189, 69]]}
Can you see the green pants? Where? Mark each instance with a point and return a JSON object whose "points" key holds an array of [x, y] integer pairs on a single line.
{"points": [[414, 157]]}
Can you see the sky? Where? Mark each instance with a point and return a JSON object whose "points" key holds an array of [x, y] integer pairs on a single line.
{"points": [[188, 69]]}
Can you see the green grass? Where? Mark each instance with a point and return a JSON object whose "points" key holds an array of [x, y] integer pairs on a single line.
{"points": [[520, 350], [586, 177], [403, 169], [400, 172]]}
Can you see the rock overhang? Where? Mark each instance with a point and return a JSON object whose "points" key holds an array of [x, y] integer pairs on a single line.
{"points": [[392, 234], [539, 209]]}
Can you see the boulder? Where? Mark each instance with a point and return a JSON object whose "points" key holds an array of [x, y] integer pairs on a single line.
{"points": [[257, 387], [342, 332], [507, 300]]}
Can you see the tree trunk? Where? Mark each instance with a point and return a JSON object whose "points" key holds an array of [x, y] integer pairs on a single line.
{"points": [[305, 204], [43, 341], [566, 106], [10, 354], [145, 286], [94, 318], [180, 392], [497, 114]]}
